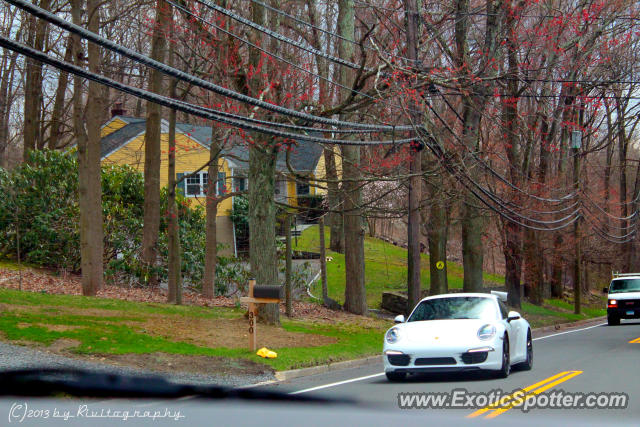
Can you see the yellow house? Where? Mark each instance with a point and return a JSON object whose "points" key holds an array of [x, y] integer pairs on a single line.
{"points": [[123, 143]]}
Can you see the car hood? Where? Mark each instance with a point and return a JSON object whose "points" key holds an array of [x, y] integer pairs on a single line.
{"points": [[442, 331]]}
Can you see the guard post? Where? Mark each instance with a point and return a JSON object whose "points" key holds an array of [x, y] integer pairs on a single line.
{"points": [[259, 294]]}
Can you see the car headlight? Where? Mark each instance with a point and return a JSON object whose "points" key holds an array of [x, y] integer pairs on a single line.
{"points": [[486, 332], [393, 335]]}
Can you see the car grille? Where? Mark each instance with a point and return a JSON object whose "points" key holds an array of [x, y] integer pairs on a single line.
{"points": [[399, 359], [475, 357], [628, 303], [423, 361]]}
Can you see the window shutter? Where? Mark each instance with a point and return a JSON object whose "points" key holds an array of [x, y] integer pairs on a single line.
{"points": [[221, 183], [180, 185]]}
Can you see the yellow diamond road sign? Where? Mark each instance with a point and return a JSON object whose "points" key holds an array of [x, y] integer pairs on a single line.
{"points": [[439, 265]]}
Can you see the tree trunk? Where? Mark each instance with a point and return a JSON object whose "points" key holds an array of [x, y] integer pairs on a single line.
{"points": [[33, 84], [633, 260], [89, 179], [151, 226], [623, 146], [415, 168], [211, 250], [473, 106], [336, 221], [58, 103], [263, 254], [174, 285], [437, 234], [288, 266], [557, 265], [6, 100], [355, 299], [513, 262], [173, 228], [472, 219], [608, 166]]}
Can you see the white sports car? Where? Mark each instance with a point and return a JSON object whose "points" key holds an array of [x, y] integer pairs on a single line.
{"points": [[458, 332]]}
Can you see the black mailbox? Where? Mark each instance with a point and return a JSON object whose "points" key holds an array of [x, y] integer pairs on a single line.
{"points": [[267, 291]]}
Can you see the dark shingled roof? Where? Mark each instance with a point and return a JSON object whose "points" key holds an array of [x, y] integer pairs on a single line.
{"points": [[118, 138], [304, 155], [131, 119]]}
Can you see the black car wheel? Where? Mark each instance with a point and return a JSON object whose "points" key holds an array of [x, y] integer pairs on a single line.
{"points": [[506, 359], [528, 364], [613, 320]]}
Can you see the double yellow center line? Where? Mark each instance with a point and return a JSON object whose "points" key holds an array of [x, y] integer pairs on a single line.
{"points": [[636, 341], [518, 397]]}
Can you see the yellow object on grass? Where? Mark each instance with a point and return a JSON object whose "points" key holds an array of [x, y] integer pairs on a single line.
{"points": [[265, 352]]}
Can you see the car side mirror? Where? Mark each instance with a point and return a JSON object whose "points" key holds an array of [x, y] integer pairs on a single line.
{"points": [[399, 319], [605, 290], [513, 315]]}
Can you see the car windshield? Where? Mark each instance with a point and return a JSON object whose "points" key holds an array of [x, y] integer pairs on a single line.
{"points": [[624, 285], [454, 308]]}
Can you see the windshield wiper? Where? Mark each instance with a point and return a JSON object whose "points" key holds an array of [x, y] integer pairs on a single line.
{"points": [[85, 383]]}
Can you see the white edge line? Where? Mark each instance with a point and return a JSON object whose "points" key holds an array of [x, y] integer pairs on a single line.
{"points": [[338, 383], [306, 390], [568, 332]]}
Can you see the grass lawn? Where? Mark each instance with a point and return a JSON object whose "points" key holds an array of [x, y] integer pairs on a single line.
{"points": [[98, 327], [101, 326], [385, 268], [554, 312]]}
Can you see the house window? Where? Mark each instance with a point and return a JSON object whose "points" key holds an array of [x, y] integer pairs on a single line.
{"points": [[302, 188], [194, 186], [239, 183], [204, 178], [280, 190], [222, 184], [197, 185]]}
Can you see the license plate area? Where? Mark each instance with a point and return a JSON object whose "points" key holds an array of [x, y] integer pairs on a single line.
{"points": [[630, 312]]}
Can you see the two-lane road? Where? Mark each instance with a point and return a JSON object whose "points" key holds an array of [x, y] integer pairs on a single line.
{"points": [[595, 358]]}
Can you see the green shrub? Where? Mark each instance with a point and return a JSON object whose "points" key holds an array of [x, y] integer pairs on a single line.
{"points": [[41, 201]]}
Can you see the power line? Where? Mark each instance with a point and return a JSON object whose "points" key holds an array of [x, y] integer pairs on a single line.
{"points": [[274, 55], [171, 103], [308, 24], [75, 29], [545, 16], [493, 171], [278, 36]]}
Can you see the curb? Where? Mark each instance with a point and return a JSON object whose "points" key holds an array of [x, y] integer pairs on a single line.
{"points": [[304, 372], [297, 373]]}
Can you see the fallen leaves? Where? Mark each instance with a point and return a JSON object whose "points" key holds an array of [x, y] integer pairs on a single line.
{"points": [[44, 281]]}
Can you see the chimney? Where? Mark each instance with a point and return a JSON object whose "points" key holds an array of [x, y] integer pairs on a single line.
{"points": [[118, 109]]}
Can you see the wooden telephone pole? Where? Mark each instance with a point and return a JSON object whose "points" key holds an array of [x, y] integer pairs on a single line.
{"points": [[415, 167], [576, 142]]}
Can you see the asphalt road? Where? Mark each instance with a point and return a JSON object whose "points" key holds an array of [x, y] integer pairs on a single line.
{"points": [[592, 358]]}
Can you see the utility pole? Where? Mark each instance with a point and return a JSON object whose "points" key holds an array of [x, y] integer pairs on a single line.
{"points": [[323, 263], [287, 273], [415, 167], [576, 142]]}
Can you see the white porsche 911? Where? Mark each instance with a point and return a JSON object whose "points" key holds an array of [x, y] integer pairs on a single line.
{"points": [[458, 332]]}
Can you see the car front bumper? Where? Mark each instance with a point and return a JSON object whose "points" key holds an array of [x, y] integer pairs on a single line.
{"points": [[624, 313], [486, 356]]}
